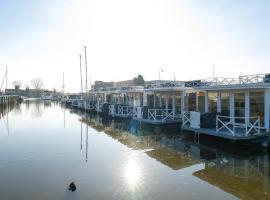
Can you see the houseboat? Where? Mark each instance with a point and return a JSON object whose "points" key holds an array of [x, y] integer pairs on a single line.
{"points": [[231, 108]]}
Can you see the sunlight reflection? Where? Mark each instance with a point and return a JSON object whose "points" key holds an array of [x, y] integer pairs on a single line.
{"points": [[132, 173]]}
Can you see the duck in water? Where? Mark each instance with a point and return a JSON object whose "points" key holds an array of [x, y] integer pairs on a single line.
{"points": [[72, 187]]}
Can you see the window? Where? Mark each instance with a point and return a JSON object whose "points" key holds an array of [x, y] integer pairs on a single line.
{"points": [[225, 103], [212, 102], [257, 105]]}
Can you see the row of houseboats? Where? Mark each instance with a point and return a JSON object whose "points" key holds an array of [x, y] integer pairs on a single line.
{"points": [[230, 108]]}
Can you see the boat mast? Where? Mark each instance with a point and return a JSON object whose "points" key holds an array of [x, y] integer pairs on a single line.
{"points": [[6, 77], [86, 88], [63, 86], [81, 73]]}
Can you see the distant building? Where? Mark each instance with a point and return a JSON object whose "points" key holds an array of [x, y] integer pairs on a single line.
{"points": [[101, 84], [127, 83], [33, 93], [164, 83]]}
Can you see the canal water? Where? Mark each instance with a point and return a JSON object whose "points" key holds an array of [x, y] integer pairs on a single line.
{"points": [[44, 147]]}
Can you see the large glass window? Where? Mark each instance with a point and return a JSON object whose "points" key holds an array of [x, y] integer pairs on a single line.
{"points": [[225, 103], [212, 102], [190, 101], [239, 107], [150, 100], [257, 105], [201, 101], [169, 102], [178, 104], [163, 102]]}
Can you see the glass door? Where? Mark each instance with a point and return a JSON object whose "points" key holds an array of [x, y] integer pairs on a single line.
{"points": [[239, 107]]}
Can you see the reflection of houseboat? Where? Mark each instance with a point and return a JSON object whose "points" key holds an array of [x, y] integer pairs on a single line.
{"points": [[244, 178]]}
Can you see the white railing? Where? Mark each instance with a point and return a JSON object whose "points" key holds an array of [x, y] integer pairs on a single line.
{"points": [[212, 82], [137, 113], [98, 107], [257, 78], [186, 118], [125, 110], [231, 124], [89, 106], [160, 114], [111, 110], [221, 81]]}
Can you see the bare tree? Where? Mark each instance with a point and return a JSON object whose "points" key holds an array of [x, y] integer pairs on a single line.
{"points": [[37, 83], [16, 84]]}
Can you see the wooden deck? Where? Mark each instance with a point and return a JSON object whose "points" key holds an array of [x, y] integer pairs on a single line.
{"points": [[239, 135]]}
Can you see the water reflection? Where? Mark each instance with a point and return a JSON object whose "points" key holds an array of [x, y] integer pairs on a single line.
{"points": [[116, 159], [132, 172], [244, 172]]}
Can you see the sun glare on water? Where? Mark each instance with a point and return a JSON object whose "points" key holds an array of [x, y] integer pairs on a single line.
{"points": [[132, 173]]}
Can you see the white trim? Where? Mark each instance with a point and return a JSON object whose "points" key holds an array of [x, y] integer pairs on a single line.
{"points": [[247, 104], [218, 102], [166, 102], [173, 104], [231, 104], [182, 102], [206, 101], [266, 108], [197, 101]]}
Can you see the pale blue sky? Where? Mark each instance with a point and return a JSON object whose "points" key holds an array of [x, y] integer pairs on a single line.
{"points": [[42, 38]]}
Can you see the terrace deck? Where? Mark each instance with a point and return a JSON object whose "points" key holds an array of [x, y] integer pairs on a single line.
{"points": [[224, 133]]}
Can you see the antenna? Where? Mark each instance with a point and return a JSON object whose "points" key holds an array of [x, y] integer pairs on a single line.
{"points": [[85, 69]]}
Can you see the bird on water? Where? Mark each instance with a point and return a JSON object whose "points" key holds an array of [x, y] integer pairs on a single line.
{"points": [[72, 187]]}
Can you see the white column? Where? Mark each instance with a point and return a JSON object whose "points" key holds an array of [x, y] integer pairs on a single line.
{"points": [[154, 100], [247, 105], [182, 102], [145, 99], [219, 102], [266, 108], [166, 102], [206, 101], [173, 104], [197, 102], [231, 104]]}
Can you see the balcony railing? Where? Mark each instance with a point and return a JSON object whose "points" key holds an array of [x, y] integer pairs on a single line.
{"points": [[233, 125], [125, 110], [160, 114], [221, 81]]}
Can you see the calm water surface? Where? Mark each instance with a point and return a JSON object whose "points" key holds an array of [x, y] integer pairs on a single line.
{"points": [[44, 147]]}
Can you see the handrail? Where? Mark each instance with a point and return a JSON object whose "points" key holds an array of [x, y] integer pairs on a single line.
{"points": [[125, 110], [185, 118], [160, 114], [222, 81], [230, 124]]}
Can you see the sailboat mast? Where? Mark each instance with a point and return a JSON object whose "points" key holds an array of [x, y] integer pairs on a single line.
{"points": [[81, 73], [63, 86], [86, 88], [6, 77]]}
